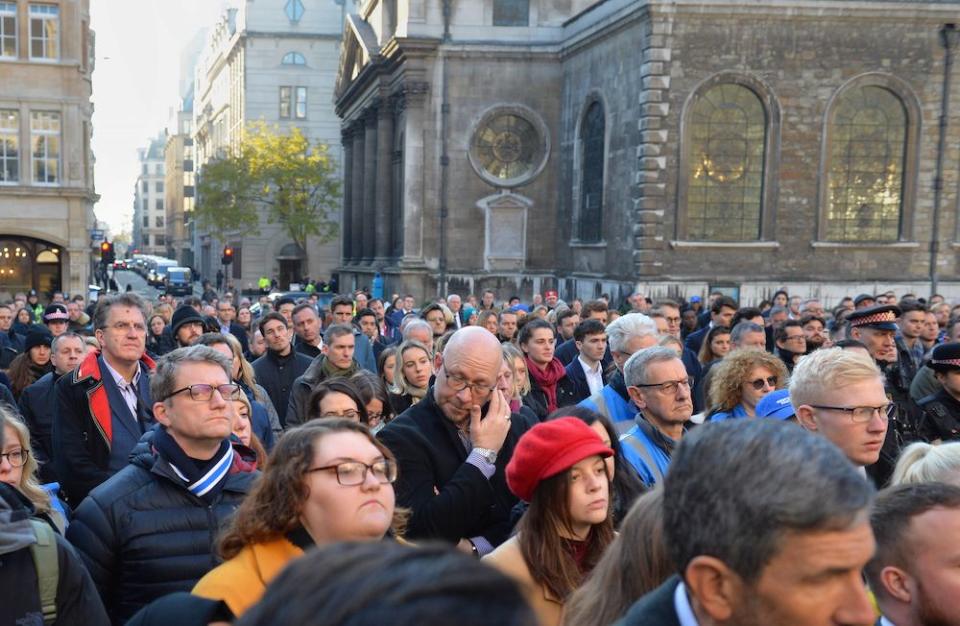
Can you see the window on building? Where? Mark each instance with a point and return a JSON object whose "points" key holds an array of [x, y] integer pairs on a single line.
{"points": [[727, 131], [159, 168], [9, 145], [44, 31], [146, 221], [159, 240], [145, 169], [301, 110], [590, 227], [285, 102], [146, 206], [45, 141], [159, 204], [511, 12], [294, 58], [294, 10], [159, 186], [866, 153], [158, 221], [8, 30]]}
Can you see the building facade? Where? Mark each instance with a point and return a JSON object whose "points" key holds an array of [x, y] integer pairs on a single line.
{"points": [[273, 61], [178, 156], [149, 203], [46, 163], [605, 146]]}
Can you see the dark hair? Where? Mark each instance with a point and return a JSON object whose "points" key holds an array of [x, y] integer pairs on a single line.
{"points": [[285, 300], [911, 306], [367, 312], [336, 330], [723, 302], [757, 478], [341, 301], [272, 316], [526, 333], [850, 343], [706, 351], [335, 385], [746, 313], [369, 386], [588, 327], [626, 485], [382, 360], [809, 317], [781, 334], [371, 584], [303, 306], [104, 304], [564, 314], [890, 518], [594, 306], [506, 312]]}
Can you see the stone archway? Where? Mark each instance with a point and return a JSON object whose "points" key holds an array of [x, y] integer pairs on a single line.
{"points": [[30, 263]]}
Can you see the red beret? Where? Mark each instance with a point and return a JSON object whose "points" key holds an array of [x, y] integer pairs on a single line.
{"points": [[548, 449]]}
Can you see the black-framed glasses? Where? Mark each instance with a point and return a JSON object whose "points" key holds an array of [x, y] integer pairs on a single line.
{"points": [[759, 383], [203, 392], [669, 386], [862, 414], [458, 384], [17, 458], [352, 473]]}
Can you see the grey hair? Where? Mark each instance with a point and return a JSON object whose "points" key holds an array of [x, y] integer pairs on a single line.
{"points": [[336, 330], [635, 369], [742, 328], [415, 324], [758, 478], [67, 335], [626, 327], [779, 309], [164, 380], [104, 304]]}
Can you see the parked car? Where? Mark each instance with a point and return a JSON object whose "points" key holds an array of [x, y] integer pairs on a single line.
{"points": [[178, 281]]}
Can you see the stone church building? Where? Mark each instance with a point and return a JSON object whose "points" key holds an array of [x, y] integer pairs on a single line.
{"points": [[598, 146]]}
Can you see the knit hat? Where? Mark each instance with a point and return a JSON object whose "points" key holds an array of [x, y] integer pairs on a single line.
{"points": [[550, 448], [184, 314], [55, 313], [37, 338]]}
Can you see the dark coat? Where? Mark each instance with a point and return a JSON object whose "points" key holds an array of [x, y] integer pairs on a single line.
{"points": [[695, 339], [449, 499], [38, 403], [654, 609], [77, 601], [90, 424], [237, 331], [302, 389], [567, 351], [143, 535], [573, 387], [305, 348], [941, 417], [276, 374]]}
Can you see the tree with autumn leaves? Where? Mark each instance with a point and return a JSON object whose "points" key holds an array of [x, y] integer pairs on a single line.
{"points": [[282, 174]]}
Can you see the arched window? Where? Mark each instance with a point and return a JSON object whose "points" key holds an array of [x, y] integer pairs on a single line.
{"points": [[866, 152], [294, 10], [294, 58], [726, 135], [590, 226]]}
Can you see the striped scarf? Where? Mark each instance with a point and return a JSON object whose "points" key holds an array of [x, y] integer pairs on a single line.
{"points": [[203, 479]]}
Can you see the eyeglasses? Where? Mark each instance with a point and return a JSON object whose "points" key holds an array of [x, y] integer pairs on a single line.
{"points": [[863, 414], [759, 383], [351, 473], [349, 414], [203, 392], [458, 384], [670, 386], [16, 458], [374, 418]]}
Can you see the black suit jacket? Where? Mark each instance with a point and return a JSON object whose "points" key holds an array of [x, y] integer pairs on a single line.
{"points": [[695, 339], [654, 609], [449, 499], [37, 405], [573, 387], [237, 331]]}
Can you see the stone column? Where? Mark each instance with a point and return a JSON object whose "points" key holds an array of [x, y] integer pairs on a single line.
{"points": [[370, 185], [382, 222], [416, 170], [346, 139], [359, 179]]}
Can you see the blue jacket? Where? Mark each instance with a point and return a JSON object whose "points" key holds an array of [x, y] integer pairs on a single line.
{"points": [[614, 403], [646, 455], [738, 412]]}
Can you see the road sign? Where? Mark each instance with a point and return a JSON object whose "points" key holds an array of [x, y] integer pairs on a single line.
{"points": [[96, 233]]}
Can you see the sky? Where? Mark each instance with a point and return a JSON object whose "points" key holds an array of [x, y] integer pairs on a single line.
{"points": [[135, 86]]}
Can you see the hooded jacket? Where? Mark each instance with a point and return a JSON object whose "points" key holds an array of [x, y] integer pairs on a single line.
{"points": [[303, 386], [143, 535]]}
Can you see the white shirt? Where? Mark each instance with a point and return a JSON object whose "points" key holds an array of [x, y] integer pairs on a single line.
{"points": [[885, 622], [127, 390], [594, 376], [681, 604]]}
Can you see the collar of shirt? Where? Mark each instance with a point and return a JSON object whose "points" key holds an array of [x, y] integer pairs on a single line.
{"points": [[586, 366], [119, 379], [681, 604], [885, 622]]}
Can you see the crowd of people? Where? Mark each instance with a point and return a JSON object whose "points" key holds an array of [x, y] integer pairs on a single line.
{"points": [[227, 460]]}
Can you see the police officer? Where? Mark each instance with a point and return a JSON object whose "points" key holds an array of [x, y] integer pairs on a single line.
{"points": [[941, 411]]}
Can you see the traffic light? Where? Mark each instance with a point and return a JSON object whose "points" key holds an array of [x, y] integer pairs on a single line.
{"points": [[227, 257], [106, 252]]}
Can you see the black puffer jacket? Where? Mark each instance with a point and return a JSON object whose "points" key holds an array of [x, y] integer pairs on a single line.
{"points": [[142, 535]]}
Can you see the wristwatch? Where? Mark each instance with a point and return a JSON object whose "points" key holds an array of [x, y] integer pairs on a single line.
{"points": [[490, 456]]}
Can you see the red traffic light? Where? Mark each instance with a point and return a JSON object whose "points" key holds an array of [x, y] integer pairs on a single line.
{"points": [[228, 251], [105, 247]]}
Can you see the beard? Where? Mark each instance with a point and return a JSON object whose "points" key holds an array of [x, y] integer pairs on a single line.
{"points": [[933, 612]]}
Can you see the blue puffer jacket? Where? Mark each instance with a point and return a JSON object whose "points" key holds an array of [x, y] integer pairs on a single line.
{"points": [[142, 535]]}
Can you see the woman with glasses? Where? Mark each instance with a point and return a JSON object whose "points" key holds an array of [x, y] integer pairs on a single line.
{"points": [[715, 346], [327, 481], [337, 398], [411, 376], [741, 380], [375, 399], [18, 468]]}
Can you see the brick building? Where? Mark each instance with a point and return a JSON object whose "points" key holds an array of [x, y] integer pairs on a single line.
{"points": [[601, 146]]}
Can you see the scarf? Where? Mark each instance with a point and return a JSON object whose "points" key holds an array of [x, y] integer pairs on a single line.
{"points": [[203, 479], [330, 370], [547, 379]]}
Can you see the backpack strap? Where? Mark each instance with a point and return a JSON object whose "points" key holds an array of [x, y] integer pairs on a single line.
{"points": [[47, 563]]}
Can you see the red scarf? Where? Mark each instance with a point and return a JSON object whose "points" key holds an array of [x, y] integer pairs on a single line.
{"points": [[547, 379]]}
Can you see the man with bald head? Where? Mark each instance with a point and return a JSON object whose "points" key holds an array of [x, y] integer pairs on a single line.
{"points": [[453, 446]]}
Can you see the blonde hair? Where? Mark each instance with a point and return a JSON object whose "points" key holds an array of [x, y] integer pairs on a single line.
{"points": [[29, 485], [400, 385], [511, 353], [246, 375], [925, 463], [730, 374], [829, 368]]}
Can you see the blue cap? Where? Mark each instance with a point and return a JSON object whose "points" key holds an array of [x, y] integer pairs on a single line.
{"points": [[776, 404], [694, 298]]}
